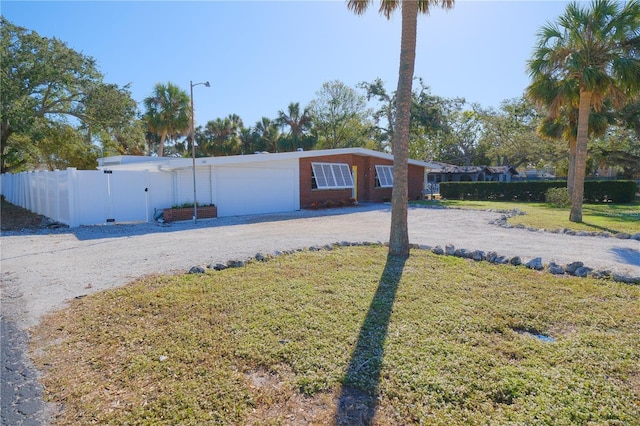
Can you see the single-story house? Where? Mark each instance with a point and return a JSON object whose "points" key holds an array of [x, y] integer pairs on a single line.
{"points": [[449, 173], [268, 183]]}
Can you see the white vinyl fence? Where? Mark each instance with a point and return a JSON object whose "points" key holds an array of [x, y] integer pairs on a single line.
{"points": [[90, 197]]}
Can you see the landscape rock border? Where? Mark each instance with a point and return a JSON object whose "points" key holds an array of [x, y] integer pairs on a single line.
{"points": [[502, 221], [507, 214], [576, 268]]}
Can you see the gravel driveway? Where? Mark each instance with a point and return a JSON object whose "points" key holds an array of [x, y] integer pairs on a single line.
{"points": [[41, 271]]}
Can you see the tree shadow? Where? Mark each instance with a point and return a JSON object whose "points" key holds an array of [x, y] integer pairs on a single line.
{"points": [[358, 399], [627, 255], [601, 228]]}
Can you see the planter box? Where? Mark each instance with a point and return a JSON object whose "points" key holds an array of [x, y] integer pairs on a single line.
{"points": [[186, 213]]}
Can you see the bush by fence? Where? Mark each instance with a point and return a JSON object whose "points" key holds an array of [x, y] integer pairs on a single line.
{"points": [[611, 191]]}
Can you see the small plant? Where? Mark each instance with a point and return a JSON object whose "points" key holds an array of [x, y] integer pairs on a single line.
{"points": [[314, 205], [329, 203], [558, 197], [190, 205], [353, 201]]}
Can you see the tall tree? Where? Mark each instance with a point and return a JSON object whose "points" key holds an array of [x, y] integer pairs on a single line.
{"points": [[220, 137], [619, 150], [267, 134], [430, 118], [340, 116], [119, 134], [461, 141], [399, 236], [510, 136], [299, 124], [384, 115], [247, 138], [46, 85], [595, 51], [168, 113], [61, 146]]}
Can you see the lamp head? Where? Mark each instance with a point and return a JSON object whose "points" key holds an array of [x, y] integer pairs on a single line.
{"points": [[206, 84]]}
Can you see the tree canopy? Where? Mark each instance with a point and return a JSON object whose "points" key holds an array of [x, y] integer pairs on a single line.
{"points": [[168, 113], [339, 116], [48, 89], [586, 61]]}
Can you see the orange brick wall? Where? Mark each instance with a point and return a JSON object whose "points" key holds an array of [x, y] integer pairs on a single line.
{"points": [[416, 182], [367, 192]]}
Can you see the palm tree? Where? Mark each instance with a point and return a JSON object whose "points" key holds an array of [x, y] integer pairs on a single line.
{"points": [[562, 118], [399, 236], [247, 138], [168, 112], [298, 123], [595, 52], [267, 133], [221, 136]]}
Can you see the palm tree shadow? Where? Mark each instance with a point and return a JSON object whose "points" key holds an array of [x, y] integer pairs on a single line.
{"points": [[601, 228], [359, 396]]}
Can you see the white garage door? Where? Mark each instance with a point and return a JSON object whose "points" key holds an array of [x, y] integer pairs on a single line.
{"points": [[251, 190]]}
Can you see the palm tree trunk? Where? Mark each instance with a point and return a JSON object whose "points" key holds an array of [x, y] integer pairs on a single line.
{"points": [[572, 165], [399, 236], [163, 137], [580, 169]]}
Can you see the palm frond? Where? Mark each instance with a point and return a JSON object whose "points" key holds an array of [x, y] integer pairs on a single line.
{"points": [[358, 6], [387, 7]]}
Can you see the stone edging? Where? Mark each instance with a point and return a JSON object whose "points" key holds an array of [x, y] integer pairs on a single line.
{"points": [[507, 214], [577, 269]]}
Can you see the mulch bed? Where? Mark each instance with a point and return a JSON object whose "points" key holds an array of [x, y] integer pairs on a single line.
{"points": [[14, 218]]}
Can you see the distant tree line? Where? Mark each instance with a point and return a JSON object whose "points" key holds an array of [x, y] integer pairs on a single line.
{"points": [[57, 112]]}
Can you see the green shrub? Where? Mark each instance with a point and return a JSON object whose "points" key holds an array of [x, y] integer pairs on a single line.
{"points": [[606, 191], [558, 197]]}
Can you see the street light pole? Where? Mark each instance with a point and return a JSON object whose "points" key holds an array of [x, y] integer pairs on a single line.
{"points": [[193, 149]]}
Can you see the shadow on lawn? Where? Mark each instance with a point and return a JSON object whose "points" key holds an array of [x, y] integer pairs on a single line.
{"points": [[600, 228], [358, 399]]}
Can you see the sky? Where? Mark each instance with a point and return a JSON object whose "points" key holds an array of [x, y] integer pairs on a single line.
{"points": [[259, 56]]}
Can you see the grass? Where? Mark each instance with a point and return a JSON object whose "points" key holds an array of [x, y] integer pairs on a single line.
{"points": [[345, 335], [613, 218]]}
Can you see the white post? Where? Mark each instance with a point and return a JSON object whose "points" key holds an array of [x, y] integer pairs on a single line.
{"points": [[74, 207]]}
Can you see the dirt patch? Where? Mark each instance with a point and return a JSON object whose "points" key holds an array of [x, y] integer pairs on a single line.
{"points": [[14, 218], [277, 402]]}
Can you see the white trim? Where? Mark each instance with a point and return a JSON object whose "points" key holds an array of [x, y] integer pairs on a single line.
{"points": [[385, 176], [174, 163], [332, 175]]}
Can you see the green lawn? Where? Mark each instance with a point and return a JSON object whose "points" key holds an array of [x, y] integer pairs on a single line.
{"points": [[435, 340], [613, 218]]}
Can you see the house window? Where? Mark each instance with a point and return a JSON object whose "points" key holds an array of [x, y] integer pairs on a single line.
{"points": [[331, 176], [384, 176]]}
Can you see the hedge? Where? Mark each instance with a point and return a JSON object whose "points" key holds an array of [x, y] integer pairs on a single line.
{"points": [[595, 191]]}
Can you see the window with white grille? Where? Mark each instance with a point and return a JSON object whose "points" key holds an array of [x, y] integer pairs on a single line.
{"points": [[331, 176], [384, 176]]}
